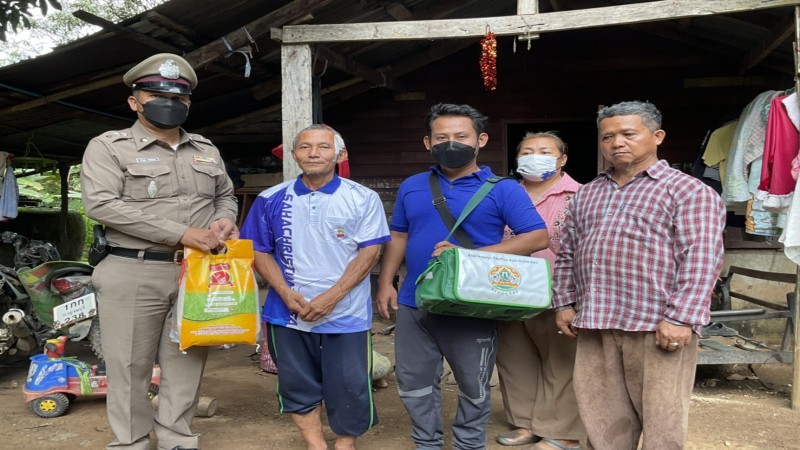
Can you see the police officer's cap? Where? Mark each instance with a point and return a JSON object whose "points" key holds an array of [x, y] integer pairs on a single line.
{"points": [[163, 72]]}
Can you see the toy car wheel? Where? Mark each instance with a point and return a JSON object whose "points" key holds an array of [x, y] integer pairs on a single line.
{"points": [[49, 406]]}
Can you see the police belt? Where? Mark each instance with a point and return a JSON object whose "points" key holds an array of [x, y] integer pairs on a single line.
{"points": [[147, 255]]}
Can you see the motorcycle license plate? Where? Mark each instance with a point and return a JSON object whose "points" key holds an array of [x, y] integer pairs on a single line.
{"points": [[74, 311]]}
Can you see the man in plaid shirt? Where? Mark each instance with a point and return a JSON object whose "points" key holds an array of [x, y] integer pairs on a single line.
{"points": [[641, 250]]}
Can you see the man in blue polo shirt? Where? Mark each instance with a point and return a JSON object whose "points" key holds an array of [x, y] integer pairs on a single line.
{"points": [[316, 239], [455, 135]]}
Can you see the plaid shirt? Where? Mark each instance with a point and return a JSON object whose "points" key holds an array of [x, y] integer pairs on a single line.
{"points": [[635, 255]]}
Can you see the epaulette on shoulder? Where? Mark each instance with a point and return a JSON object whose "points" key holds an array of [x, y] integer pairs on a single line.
{"points": [[116, 135], [200, 139]]}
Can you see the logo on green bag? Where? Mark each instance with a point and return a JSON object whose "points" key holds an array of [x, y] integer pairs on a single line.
{"points": [[505, 278]]}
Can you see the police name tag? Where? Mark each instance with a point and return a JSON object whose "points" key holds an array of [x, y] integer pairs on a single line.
{"points": [[74, 311]]}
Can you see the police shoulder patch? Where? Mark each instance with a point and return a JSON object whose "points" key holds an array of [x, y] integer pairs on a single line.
{"points": [[200, 139]]}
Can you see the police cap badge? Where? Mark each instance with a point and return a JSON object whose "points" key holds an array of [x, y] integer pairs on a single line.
{"points": [[164, 72]]}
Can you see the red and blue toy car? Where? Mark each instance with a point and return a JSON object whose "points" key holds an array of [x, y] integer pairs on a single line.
{"points": [[54, 380]]}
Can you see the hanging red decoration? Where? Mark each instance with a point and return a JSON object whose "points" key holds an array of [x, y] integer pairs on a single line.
{"points": [[489, 61]]}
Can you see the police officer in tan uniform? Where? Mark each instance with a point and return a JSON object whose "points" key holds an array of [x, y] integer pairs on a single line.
{"points": [[156, 188]]}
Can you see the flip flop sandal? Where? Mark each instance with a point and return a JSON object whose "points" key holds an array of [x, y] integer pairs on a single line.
{"points": [[744, 345], [558, 445], [718, 329], [714, 345], [511, 439]]}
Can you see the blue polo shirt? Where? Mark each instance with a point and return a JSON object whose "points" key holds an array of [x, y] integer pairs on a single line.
{"points": [[414, 213], [313, 235]]}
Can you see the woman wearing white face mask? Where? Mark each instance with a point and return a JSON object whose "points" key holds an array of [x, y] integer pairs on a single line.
{"points": [[534, 361]]}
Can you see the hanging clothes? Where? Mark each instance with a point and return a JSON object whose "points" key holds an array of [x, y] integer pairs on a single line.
{"points": [[792, 109], [5, 159], [791, 232], [747, 145], [780, 148], [715, 157], [760, 221], [9, 201], [698, 171]]}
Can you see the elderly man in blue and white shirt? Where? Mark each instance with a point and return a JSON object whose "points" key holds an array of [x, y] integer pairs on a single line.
{"points": [[316, 239]]}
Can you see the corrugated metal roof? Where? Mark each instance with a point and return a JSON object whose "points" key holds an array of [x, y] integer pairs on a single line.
{"points": [[86, 74]]}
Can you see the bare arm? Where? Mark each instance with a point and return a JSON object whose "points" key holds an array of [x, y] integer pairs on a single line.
{"points": [[393, 256], [267, 267]]}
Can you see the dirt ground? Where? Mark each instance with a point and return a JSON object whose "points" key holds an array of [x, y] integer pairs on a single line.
{"points": [[726, 413]]}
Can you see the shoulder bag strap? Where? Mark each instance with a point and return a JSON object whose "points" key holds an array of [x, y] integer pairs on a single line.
{"points": [[473, 202], [440, 204]]}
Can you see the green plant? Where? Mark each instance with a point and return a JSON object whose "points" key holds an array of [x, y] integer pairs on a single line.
{"points": [[89, 223], [45, 190]]}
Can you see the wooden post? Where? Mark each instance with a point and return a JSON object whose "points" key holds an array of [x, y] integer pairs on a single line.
{"points": [[603, 16], [527, 7], [796, 318], [796, 356], [63, 172], [296, 113]]}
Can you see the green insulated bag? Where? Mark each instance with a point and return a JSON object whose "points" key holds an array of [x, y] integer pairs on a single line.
{"points": [[487, 285]]}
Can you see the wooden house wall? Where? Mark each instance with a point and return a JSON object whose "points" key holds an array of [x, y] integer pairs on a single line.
{"points": [[562, 79]]}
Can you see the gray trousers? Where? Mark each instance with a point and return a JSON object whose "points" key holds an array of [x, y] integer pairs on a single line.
{"points": [[134, 300], [470, 347]]}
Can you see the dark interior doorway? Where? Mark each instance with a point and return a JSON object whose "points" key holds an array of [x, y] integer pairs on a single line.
{"points": [[581, 139]]}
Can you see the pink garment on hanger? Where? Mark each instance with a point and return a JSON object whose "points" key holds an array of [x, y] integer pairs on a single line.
{"points": [[780, 148]]}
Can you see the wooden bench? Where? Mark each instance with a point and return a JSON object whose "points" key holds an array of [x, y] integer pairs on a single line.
{"points": [[742, 350]]}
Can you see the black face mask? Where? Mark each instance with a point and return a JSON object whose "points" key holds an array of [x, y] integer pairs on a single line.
{"points": [[452, 154], [165, 113]]}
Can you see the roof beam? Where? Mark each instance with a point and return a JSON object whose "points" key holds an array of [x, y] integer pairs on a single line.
{"points": [[437, 10], [88, 87], [398, 11], [136, 36], [523, 24], [675, 31], [143, 38], [345, 64], [350, 66], [163, 21], [267, 88], [352, 87], [45, 136], [198, 57], [777, 36], [255, 29]]}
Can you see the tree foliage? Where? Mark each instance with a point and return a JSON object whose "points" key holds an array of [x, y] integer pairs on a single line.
{"points": [[44, 32], [44, 189], [16, 13]]}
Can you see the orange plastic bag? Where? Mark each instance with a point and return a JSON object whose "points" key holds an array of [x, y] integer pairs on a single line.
{"points": [[218, 297]]}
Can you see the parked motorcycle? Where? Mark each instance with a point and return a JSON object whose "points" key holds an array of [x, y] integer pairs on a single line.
{"points": [[43, 297]]}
